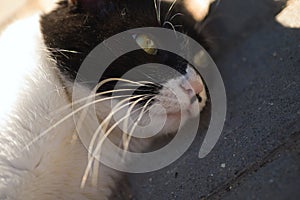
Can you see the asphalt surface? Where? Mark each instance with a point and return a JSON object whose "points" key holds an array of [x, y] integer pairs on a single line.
{"points": [[258, 154]]}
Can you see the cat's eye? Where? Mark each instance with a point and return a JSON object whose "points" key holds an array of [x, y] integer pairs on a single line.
{"points": [[146, 44]]}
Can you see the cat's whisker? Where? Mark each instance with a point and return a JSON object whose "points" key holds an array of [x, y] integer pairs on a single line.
{"points": [[159, 10], [83, 115], [156, 10], [59, 51], [137, 83], [175, 15], [170, 9], [126, 122], [68, 116], [93, 157], [90, 97], [115, 109], [81, 108], [152, 85], [146, 83], [115, 79], [68, 51], [179, 26], [99, 145], [105, 121], [169, 23], [62, 50], [126, 142], [90, 158], [63, 54], [151, 78]]}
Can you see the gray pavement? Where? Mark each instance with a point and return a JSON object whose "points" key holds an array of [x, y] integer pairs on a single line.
{"points": [[258, 154]]}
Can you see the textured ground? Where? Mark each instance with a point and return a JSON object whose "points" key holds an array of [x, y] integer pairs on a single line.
{"points": [[258, 154]]}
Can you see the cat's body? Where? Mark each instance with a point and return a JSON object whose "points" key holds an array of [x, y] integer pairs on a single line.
{"points": [[40, 159]]}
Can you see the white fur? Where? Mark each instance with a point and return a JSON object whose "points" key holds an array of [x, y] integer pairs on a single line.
{"points": [[51, 167]]}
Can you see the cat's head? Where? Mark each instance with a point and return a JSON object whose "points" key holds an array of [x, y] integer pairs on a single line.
{"points": [[76, 27]]}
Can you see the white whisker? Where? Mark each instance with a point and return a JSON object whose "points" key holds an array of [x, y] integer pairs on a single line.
{"points": [[98, 86], [91, 96], [175, 15], [126, 146], [156, 10], [179, 26], [97, 150], [116, 108], [169, 23], [170, 9], [159, 10], [89, 103], [105, 122], [68, 116], [62, 50]]}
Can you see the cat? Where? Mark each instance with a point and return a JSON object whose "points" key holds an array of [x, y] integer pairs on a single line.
{"points": [[43, 159]]}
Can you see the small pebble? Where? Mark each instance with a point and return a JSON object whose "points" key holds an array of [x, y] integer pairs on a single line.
{"points": [[223, 165]]}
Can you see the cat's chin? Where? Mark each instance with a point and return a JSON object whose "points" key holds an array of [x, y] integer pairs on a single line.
{"points": [[176, 119]]}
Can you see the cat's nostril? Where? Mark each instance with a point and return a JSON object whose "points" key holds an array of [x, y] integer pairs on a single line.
{"points": [[199, 97], [195, 97]]}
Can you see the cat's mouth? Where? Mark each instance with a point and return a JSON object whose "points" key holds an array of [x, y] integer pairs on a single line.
{"points": [[190, 111]]}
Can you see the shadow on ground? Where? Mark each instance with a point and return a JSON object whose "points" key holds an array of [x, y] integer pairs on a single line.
{"points": [[257, 156]]}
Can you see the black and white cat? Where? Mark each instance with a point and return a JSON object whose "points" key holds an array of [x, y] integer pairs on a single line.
{"points": [[40, 58]]}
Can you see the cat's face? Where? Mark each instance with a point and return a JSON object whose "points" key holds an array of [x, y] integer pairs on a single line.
{"points": [[80, 25]]}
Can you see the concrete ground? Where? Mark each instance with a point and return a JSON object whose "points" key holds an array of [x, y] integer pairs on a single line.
{"points": [[258, 154]]}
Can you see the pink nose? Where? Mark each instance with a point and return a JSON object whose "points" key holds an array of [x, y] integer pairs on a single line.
{"points": [[192, 87]]}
